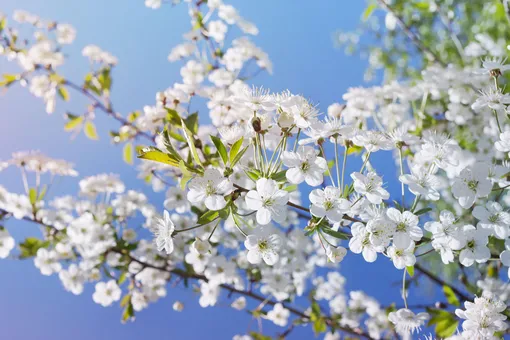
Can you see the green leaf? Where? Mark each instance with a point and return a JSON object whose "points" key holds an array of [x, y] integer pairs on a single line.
{"points": [[258, 336], [354, 149], [186, 174], [63, 93], [191, 143], [368, 11], [127, 153], [237, 158], [450, 295], [42, 193], [168, 144], [173, 117], [279, 176], [254, 175], [9, 79], [90, 130], [337, 234], [191, 123], [291, 188], [125, 300], [3, 24], [105, 79], [422, 211], [30, 246], [129, 312], [222, 150], [152, 154], [208, 216], [446, 323], [121, 279], [319, 326], [73, 123], [234, 150], [32, 194], [410, 270]]}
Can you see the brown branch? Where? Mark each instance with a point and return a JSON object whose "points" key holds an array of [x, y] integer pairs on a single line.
{"points": [[441, 282], [290, 204], [410, 34], [232, 290], [108, 110]]}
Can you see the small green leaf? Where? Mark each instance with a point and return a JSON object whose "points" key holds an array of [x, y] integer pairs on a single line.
{"points": [[208, 216], [337, 234], [410, 270], [191, 143], [234, 150], [127, 153], [450, 295], [129, 313], [222, 150], [253, 175], [121, 279], [32, 194], [368, 11], [258, 336], [354, 149], [30, 246], [168, 144], [90, 130], [186, 174], [63, 93], [279, 176], [422, 211], [446, 323], [73, 123], [237, 158], [191, 123], [152, 154], [9, 79], [319, 326], [125, 300], [173, 117]]}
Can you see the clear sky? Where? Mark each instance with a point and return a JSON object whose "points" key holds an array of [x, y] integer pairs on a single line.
{"points": [[297, 36]]}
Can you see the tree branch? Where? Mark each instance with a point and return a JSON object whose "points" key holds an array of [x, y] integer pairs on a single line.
{"points": [[410, 34]]}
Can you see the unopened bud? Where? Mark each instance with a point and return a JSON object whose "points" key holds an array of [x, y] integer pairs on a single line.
{"points": [[256, 123], [178, 306], [495, 73]]}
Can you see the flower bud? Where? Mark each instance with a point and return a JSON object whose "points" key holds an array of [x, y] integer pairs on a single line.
{"points": [[256, 123]]}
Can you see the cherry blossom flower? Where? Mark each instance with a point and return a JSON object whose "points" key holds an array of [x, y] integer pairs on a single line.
{"points": [[406, 322], [304, 165], [210, 189], [493, 218], [407, 229], [370, 186], [471, 184], [268, 201], [106, 293], [7, 243], [328, 203], [279, 315], [163, 231], [263, 246]]}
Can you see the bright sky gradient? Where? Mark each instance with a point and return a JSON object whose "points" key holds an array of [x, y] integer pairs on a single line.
{"points": [[297, 35]]}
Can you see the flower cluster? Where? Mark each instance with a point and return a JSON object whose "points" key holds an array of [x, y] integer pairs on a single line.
{"points": [[273, 192]]}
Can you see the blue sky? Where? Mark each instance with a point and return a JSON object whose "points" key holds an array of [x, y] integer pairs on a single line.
{"points": [[297, 36]]}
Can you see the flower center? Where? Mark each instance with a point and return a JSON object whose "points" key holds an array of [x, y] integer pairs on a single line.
{"points": [[401, 227], [210, 189], [305, 166], [263, 245], [472, 185], [494, 218]]}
